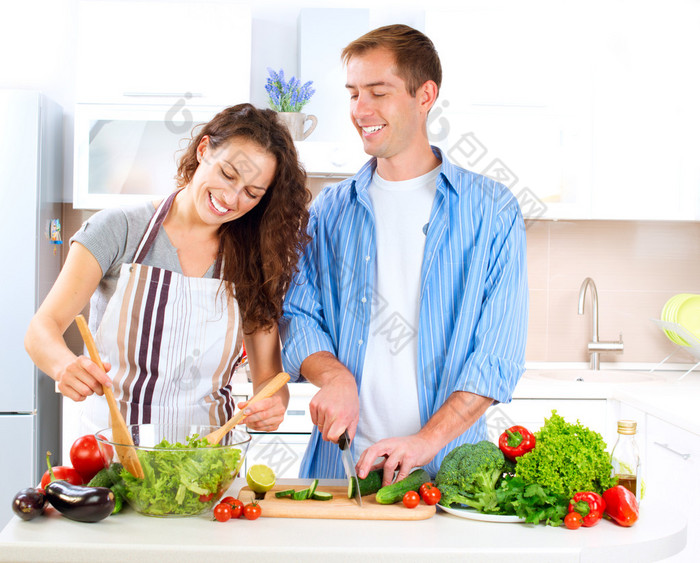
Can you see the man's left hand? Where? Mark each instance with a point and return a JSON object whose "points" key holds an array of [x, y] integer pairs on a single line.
{"points": [[404, 454]]}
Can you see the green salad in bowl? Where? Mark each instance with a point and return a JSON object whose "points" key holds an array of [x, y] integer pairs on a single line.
{"points": [[184, 475]]}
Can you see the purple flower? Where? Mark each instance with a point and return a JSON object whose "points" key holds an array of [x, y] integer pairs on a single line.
{"points": [[287, 96]]}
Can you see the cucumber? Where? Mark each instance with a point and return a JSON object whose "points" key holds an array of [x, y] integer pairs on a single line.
{"points": [[322, 495], [101, 479], [394, 493], [301, 495], [284, 494], [312, 488], [369, 485]]}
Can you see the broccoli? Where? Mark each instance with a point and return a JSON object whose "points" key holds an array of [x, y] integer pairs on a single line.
{"points": [[468, 475]]}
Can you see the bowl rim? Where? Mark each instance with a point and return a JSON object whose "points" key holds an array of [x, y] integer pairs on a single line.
{"points": [[245, 442]]}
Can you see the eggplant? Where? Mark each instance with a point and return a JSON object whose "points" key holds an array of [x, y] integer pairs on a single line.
{"points": [[29, 503], [83, 504]]}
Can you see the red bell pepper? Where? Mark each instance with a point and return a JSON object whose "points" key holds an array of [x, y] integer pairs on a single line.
{"points": [[590, 505], [516, 441], [622, 505]]}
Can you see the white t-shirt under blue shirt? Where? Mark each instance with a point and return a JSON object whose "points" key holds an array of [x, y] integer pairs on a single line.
{"points": [[389, 389]]}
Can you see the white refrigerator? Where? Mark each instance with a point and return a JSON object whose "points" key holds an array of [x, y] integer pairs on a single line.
{"points": [[30, 198]]}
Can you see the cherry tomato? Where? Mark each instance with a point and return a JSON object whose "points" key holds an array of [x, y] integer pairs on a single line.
{"points": [[222, 512], [423, 488], [431, 496], [252, 511], [573, 520], [411, 499], [88, 456], [236, 506], [206, 498]]}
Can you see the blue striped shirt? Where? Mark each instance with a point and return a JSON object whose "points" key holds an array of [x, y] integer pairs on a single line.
{"points": [[473, 296]]}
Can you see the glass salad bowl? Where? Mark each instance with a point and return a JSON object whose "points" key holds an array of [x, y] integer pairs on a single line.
{"points": [[183, 474]]}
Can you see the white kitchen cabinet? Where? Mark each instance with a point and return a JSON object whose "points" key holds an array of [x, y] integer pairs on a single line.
{"points": [[577, 128], [531, 414], [672, 460], [160, 52], [128, 154]]}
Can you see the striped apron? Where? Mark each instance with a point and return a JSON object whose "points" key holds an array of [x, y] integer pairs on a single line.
{"points": [[173, 342]]}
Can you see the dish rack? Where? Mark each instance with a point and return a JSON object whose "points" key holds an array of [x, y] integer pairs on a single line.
{"points": [[692, 340]]}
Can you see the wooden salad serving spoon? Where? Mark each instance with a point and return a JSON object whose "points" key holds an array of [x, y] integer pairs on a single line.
{"points": [[272, 386], [120, 433]]}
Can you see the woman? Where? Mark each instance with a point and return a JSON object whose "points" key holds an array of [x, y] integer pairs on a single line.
{"points": [[170, 284]]}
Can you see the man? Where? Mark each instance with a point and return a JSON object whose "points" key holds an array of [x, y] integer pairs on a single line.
{"points": [[409, 310]]}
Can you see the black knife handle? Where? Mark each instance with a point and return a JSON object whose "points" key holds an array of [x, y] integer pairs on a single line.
{"points": [[344, 440]]}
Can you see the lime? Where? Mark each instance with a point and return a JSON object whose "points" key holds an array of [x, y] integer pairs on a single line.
{"points": [[260, 478]]}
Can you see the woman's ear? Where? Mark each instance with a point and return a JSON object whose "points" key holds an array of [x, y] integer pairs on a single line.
{"points": [[202, 148]]}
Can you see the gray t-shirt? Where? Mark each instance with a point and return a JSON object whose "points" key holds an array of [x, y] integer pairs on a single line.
{"points": [[112, 237]]}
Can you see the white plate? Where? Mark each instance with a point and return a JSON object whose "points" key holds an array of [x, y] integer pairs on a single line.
{"points": [[471, 514]]}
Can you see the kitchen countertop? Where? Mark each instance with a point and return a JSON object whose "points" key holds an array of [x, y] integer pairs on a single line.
{"points": [[659, 533]]}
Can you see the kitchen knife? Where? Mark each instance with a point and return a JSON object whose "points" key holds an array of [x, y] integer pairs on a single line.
{"points": [[344, 445]]}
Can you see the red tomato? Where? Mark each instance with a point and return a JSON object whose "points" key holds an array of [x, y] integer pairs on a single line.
{"points": [[431, 496], [236, 506], [411, 499], [88, 457], [222, 512], [423, 488], [62, 473], [573, 520], [252, 511], [206, 498]]}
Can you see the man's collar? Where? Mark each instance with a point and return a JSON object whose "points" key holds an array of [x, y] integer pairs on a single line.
{"points": [[362, 180]]}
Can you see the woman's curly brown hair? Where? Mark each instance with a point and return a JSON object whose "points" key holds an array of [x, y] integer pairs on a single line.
{"points": [[261, 248]]}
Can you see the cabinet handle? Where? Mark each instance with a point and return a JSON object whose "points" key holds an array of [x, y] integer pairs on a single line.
{"points": [[164, 94], [666, 447]]}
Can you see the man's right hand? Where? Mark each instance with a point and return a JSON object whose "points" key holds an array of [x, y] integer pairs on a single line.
{"points": [[336, 406]]}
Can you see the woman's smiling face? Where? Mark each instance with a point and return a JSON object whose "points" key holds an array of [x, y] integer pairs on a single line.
{"points": [[230, 179]]}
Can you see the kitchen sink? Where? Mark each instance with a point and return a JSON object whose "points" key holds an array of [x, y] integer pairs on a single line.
{"points": [[593, 376]]}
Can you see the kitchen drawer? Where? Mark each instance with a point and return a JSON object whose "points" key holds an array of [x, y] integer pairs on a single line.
{"points": [[531, 413], [281, 452]]}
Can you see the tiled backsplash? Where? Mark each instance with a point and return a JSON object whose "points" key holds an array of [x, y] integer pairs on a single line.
{"points": [[636, 265]]}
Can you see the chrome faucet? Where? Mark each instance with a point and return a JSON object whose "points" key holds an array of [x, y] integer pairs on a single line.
{"points": [[595, 346]]}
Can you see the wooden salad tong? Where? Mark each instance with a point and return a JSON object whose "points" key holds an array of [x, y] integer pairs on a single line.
{"points": [[120, 433]]}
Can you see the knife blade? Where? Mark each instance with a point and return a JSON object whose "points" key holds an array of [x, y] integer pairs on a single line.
{"points": [[350, 473]]}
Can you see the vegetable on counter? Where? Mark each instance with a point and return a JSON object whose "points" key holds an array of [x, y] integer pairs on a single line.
{"points": [[573, 520], [568, 458], [411, 499], [590, 505], [469, 474], [252, 511], [64, 473], [88, 456], [516, 441], [29, 503], [621, 505], [369, 485], [105, 478], [76, 502], [394, 493]]}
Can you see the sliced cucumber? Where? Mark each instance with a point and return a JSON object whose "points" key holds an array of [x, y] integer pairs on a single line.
{"points": [[395, 492], [369, 485], [322, 495], [301, 495], [284, 494], [312, 488]]}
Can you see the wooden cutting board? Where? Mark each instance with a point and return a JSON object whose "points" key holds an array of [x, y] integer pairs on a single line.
{"points": [[340, 506]]}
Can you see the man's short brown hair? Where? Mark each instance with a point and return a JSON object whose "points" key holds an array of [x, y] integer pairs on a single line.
{"points": [[416, 58]]}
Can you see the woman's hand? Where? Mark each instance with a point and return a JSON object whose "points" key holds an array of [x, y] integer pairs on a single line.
{"points": [[267, 414], [81, 378]]}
